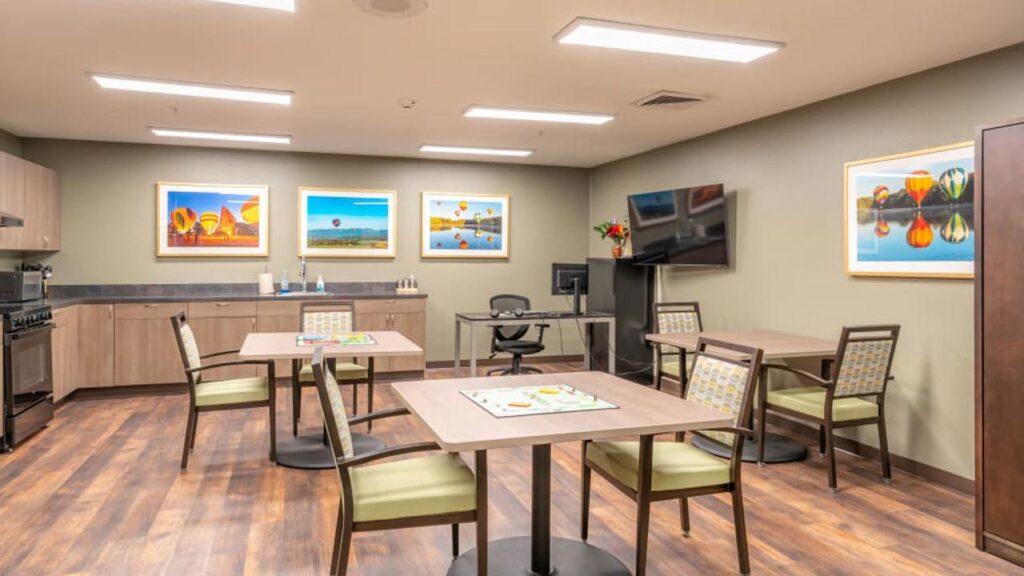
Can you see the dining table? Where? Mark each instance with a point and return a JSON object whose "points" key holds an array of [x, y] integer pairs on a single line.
{"points": [[458, 423], [776, 346], [311, 451]]}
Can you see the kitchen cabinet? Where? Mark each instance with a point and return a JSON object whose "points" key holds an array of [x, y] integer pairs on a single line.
{"points": [[65, 347], [95, 346], [273, 316], [12, 197], [145, 348], [42, 209], [404, 315], [220, 326]]}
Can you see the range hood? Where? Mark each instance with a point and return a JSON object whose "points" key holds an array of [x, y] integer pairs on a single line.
{"points": [[10, 221]]}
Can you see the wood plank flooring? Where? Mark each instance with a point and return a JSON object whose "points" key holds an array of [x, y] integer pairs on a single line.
{"points": [[100, 492]]}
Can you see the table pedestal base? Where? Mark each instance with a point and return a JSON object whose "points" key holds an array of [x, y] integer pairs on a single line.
{"points": [[777, 449], [310, 453], [511, 557]]}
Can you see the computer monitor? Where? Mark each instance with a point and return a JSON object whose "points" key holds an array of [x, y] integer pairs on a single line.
{"points": [[569, 279]]}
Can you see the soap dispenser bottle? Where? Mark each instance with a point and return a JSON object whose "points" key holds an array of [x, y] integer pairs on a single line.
{"points": [[320, 287], [284, 282]]}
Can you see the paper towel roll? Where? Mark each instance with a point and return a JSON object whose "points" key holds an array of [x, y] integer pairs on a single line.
{"points": [[266, 282]]}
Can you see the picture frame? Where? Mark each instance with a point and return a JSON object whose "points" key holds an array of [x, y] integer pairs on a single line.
{"points": [[910, 215], [212, 220], [454, 225], [347, 223]]}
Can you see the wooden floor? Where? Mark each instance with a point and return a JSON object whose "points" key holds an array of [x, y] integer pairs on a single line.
{"points": [[100, 492]]}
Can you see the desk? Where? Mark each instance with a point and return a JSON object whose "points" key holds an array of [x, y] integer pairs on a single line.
{"points": [[474, 319], [458, 424], [310, 452], [776, 346]]}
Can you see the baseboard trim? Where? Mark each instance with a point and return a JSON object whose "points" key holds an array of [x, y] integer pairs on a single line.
{"points": [[128, 391], [1009, 551], [505, 361], [903, 463]]}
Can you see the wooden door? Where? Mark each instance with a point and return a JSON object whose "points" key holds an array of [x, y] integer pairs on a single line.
{"points": [[64, 346], [1001, 312], [414, 327], [145, 348], [95, 344], [219, 334], [12, 197]]}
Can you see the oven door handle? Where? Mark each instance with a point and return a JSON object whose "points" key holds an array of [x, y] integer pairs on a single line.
{"points": [[32, 332]]}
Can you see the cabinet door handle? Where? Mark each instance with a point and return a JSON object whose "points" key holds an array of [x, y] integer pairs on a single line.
{"points": [[223, 304], [110, 311], [389, 301], [152, 305]]}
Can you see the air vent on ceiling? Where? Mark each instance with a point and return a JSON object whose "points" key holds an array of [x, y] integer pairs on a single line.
{"points": [[668, 99], [392, 8]]}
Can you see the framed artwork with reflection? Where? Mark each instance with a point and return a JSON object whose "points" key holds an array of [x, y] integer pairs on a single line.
{"points": [[346, 223], [464, 225], [228, 220], [911, 214]]}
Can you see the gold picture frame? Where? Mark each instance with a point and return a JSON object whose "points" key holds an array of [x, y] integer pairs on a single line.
{"points": [[465, 226], [205, 220], [338, 206]]}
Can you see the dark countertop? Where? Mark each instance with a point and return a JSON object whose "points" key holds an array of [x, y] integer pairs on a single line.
{"points": [[69, 295]]}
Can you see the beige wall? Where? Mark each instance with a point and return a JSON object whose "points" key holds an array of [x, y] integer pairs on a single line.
{"points": [[787, 176], [108, 210]]}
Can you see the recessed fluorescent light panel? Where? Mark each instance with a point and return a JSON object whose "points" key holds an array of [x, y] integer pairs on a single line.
{"points": [[473, 150], [190, 89], [283, 5], [537, 116], [590, 32], [229, 136]]}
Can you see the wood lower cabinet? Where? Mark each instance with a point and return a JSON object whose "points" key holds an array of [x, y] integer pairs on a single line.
{"points": [[405, 315], [145, 349], [275, 316], [65, 351], [220, 326], [95, 346]]}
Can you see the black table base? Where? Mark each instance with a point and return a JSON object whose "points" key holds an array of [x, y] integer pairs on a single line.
{"points": [[777, 449], [310, 453], [511, 557]]}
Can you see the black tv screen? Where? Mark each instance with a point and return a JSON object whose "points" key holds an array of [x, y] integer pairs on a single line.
{"points": [[681, 227]]}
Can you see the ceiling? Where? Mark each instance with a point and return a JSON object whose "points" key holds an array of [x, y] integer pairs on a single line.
{"points": [[349, 69]]}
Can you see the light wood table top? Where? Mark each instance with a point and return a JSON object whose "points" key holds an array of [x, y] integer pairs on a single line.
{"points": [[458, 424], [776, 345], [282, 346]]}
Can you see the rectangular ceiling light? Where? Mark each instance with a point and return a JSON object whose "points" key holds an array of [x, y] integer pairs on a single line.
{"points": [[229, 136], [473, 150], [283, 5], [590, 32], [191, 89], [537, 116]]}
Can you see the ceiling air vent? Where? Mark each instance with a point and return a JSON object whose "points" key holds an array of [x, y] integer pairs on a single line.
{"points": [[667, 99]]}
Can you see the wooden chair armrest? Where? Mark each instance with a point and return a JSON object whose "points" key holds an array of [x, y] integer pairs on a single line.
{"points": [[224, 353], [800, 373], [387, 453], [268, 363], [378, 415]]}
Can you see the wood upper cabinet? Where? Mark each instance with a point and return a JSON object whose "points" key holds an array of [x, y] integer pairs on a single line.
{"points": [[65, 351], [12, 197], [95, 346], [404, 315], [220, 326], [42, 209], [146, 350]]}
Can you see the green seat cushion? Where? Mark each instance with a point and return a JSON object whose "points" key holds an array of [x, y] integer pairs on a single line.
{"points": [[438, 484], [236, 391], [676, 465], [343, 371], [671, 367], [811, 401]]}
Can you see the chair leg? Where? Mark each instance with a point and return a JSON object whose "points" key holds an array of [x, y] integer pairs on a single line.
{"points": [[296, 405], [481, 512], [195, 426], [883, 448], [369, 403], [739, 520], [189, 427], [455, 540], [762, 425], [821, 441], [272, 413], [342, 542], [830, 457], [584, 495], [355, 399], [684, 516], [643, 524]]}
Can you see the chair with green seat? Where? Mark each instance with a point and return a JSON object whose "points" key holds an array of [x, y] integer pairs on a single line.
{"points": [[424, 491], [232, 394], [853, 395], [326, 318], [674, 317], [649, 471]]}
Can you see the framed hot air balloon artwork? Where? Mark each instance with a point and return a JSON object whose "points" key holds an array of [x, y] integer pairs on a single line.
{"points": [[336, 223], [464, 226], [911, 214], [227, 220]]}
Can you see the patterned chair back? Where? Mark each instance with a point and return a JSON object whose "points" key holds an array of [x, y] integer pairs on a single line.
{"points": [[333, 407], [674, 317], [725, 383], [327, 318], [864, 360], [186, 339]]}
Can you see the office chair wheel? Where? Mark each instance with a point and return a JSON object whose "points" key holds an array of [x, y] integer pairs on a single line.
{"points": [[530, 370]]}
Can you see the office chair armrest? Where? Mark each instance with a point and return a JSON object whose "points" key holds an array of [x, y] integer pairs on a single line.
{"points": [[387, 453], [378, 415], [799, 373], [223, 353], [540, 330]]}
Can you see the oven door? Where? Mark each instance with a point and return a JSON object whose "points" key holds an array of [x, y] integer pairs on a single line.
{"points": [[28, 367]]}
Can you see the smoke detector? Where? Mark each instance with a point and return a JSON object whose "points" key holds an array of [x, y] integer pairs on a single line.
{"points": [[669, 99], [392, 8]]}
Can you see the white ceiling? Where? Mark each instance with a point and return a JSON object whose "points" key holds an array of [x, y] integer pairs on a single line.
{"points": [[348, 69]]}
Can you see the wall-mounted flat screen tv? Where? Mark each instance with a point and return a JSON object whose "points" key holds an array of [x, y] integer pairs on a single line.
{"points": [[681, 227]]}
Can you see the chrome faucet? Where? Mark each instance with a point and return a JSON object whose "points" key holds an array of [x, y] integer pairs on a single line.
{"points": [[302, 272]]}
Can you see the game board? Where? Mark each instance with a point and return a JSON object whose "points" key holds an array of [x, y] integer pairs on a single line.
{"points": [[352, 339], [530, 400]]}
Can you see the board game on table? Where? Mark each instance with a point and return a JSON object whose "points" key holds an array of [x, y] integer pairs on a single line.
{"points": [[349, 339], [530, 400]]}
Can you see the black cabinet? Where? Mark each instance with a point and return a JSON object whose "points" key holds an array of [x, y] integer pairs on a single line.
{"points": [[620, 287]]}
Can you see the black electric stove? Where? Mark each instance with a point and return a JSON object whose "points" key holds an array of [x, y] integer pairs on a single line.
{"points": [[27, 369]]}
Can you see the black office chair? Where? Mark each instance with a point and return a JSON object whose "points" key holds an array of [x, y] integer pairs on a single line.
{"points": [[509, 339]]}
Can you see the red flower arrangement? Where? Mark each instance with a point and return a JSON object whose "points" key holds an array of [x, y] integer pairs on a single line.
{"points": [[617, 232]]}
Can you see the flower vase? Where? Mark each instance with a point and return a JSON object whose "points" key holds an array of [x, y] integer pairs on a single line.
{"points": [[616, 250]]}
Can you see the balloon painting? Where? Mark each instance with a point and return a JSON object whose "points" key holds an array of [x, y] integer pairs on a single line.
{"points": [[347, 223], [912, 214], [212, 220], [464, 226]]}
